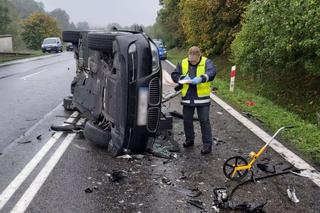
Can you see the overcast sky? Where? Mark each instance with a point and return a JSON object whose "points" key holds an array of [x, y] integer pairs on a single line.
{"points": [[103, 12]]}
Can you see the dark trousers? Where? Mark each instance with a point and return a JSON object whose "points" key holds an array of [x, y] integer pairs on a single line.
{"points": [[203, 115]]}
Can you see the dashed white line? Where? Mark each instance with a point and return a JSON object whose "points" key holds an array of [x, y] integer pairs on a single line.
{"points": [[292, 158], [26, 171], [33, 74]]}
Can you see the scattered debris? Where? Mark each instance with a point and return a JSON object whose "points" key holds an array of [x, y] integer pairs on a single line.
{"points": [[249, 115], [88, 190], [196, 203], [24, 142], [194, 193], [219, 113], [267, 168], [214, 89], [121, 201], [161, 151], [166, 181], [292, 195], [138, 156], [221, 200], [39, 137], [117, 176], [124, 157], [250, 103], [66, 128], [218, 141]]}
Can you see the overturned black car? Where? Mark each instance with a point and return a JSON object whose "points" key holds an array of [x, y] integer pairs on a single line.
{"points": [[117, 88]]}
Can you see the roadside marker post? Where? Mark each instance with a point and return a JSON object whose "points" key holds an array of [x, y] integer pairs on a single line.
{"points": [[232, 78]]}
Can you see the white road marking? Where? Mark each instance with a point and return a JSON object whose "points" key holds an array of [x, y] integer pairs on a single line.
{"points": [[169, 62], [26, 171], [35, 186], [37, 183], [291, 157], [33, 74]]}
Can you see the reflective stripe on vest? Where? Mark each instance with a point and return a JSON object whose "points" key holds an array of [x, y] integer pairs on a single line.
{"points": [[203, 89]]}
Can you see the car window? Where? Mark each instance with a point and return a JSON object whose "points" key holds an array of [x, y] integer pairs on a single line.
{"points": [[159, 43], [50, 41]]}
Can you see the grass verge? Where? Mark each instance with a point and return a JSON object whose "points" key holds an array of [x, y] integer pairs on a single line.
{"points": [[21, 55], [305, 138]]}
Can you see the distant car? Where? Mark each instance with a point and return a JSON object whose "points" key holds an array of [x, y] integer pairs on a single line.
{"points": [[69, 46], [52, 44], [161, 48]]}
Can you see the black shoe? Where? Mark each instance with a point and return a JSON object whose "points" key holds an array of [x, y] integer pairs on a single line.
{"points": [[188, 144], [206, 149]]}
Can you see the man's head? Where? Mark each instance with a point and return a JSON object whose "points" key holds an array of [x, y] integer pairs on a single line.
{"points": [[194, 55]]}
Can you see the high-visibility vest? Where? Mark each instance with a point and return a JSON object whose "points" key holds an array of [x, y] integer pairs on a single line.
{"points": [[203, 89]]}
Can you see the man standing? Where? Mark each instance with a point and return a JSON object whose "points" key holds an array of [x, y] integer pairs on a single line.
{"points": [[198, 72]]}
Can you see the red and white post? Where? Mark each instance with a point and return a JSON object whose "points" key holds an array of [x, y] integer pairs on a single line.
{"points": [[232, 77]]}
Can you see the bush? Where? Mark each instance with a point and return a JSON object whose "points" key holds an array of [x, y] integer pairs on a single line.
{"points": [[279, 36]]}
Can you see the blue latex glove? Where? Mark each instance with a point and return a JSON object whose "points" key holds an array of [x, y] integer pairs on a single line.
{"points": [[196, 80]]}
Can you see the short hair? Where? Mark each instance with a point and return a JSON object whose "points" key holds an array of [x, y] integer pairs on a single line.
{"points": [[194, 50]]}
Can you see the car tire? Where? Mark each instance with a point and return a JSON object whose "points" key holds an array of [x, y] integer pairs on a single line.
{"points": [[101, 41], [71, 36], [96, 135]]}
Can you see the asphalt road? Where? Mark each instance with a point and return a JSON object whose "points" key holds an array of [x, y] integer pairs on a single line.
{"points": [[80, 181]]}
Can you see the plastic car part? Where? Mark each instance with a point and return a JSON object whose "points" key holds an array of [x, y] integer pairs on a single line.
{"points": [[230, 165], [101, 41], [67, 104], [97, 135], [71, 36]]}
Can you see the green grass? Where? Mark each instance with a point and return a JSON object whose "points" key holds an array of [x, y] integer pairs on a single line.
{"points": [[305, 138], [25, 54]]}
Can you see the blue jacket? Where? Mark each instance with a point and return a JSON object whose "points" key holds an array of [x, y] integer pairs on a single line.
{"points": [[192, 91]]}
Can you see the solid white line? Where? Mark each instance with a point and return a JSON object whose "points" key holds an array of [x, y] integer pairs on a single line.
{"points": [[292, 158], [25, 172], [37, 183], [35, 186], [169, 62]]}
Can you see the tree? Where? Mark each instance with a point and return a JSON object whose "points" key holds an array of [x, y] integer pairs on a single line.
{"points": [[83, 25], [37, 27], [62, 18], [26, 7], [279, 37], [211, 24], [168, 25], [4, 16]]}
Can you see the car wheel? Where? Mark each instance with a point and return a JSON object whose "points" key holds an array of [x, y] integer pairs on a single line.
{"points": [[71, 36], [97, 135], [101, 41]]}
